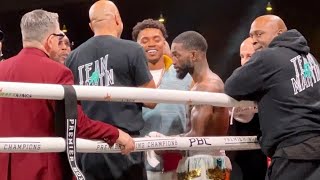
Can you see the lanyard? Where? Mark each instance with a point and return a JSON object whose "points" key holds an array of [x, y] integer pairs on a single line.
{"points": [[66, 126]]}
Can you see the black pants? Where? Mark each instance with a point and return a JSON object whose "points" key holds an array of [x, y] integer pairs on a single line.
{"points": [[286, 169], [252, 164], [113, 166]]}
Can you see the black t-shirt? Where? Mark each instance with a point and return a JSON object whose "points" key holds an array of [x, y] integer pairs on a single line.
{"points": [[110, 61]]}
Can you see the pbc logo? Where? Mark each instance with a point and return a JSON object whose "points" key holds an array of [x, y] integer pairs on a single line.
{"points": [[198, 141]]}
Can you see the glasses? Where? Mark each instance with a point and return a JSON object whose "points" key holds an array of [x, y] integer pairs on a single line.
{"points": [[60, 35]]}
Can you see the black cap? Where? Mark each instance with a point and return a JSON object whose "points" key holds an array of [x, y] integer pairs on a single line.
{"points": [[1, 35]]}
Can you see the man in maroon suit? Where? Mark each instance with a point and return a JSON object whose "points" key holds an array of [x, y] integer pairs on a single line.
{"points": [[35, 118]]}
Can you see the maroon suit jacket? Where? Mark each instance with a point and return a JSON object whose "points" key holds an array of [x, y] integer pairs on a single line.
{"points": [[35, 118]]}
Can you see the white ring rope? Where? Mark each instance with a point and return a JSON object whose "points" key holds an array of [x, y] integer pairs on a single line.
{"points": [[120, 94], [123, 94], [43, 145]]}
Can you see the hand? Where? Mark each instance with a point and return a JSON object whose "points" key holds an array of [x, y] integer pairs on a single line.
{"points": [[125, 142], [244, 115]]}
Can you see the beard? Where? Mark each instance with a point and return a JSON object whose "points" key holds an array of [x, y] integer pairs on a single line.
{"points": [[183, 71], [182, 74]]}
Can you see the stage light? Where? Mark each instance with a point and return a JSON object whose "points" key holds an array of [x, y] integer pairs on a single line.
{"points": [[161, 19], [269, 7], [64, 28]]}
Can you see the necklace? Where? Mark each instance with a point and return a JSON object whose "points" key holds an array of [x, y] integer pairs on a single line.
{"points": [[160, 79]]}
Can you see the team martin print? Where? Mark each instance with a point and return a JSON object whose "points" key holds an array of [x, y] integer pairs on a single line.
{"points": [[307, 73], [99, 75]]}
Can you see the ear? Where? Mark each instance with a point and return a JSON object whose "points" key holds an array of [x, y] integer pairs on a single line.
{"points": [[194, 55], [117, 20], [49, 42], [90, 25], [280, 31]]}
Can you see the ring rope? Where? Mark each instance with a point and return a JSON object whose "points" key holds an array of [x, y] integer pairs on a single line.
{"points": [[118, 94], [51, 144]]}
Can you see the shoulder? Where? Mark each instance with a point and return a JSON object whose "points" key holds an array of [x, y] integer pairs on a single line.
{"points": [[109, 41], [53, 71], [266, 60], [130, 46], [212, 84], [53, 65], [114, 41], [133, 51], [266, 54], [62, 74], [85, 45]]}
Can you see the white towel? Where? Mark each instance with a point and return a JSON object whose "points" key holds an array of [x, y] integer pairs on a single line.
{"points": [[152, 157]]}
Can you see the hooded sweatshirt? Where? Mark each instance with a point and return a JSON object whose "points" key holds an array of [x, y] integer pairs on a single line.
{"points": [[284, 80]]}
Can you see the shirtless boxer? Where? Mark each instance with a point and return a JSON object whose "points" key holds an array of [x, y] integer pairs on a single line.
{"points": [[189, 56]]}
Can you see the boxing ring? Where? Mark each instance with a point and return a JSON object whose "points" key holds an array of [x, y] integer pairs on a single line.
{"points": [[122, 94]]}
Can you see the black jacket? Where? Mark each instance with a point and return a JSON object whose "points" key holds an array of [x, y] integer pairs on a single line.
{"points": [[284, 80]]}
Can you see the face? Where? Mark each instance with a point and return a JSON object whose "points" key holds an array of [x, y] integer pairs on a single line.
{"points": [[152, 40], [56, 45], [182, 60], [262, 33], [52, 43], [64, 49], [246, 51]]}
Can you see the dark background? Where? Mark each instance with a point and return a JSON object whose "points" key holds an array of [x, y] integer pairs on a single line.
{"points": [[224, 23]]}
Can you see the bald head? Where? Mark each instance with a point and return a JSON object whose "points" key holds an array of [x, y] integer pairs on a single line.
{"points": [[264, 29], [102, 10], [246, 50], [105, 18]]}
